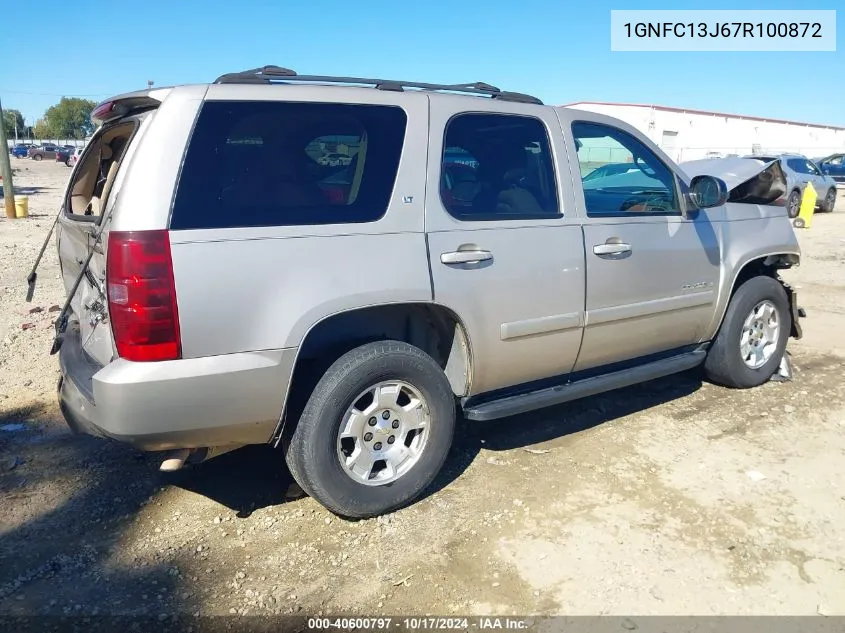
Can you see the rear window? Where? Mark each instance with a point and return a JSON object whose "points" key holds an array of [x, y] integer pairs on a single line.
{"points": [[284, 163], [92, 181]]}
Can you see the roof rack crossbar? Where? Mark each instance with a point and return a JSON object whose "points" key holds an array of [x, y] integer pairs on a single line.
{"points": [[268, 74]]}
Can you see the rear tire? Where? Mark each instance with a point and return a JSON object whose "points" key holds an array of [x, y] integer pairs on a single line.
{"points": [[829, 201], [37, 157], [726, 363], [793, 204], [315, 454]]}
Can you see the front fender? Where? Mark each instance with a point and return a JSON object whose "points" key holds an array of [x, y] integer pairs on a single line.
{"points": [[756, 240]]}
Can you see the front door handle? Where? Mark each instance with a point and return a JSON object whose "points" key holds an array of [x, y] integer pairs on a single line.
{"points": [[466, 257], [611, 248]]}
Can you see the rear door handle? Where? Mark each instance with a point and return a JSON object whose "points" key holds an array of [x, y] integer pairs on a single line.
{"points": [[611, 248], [466, 257]]}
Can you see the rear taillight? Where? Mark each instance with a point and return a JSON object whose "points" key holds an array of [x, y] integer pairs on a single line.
{"points": [[142, 296]]}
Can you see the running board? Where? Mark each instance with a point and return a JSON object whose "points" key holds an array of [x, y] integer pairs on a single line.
{"points": [[550, 396]]}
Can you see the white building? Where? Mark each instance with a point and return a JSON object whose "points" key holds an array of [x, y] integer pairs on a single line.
{"points": [[687, 134]]}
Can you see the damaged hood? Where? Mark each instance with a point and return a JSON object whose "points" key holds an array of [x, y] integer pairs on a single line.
{"points": [[749, 180]]}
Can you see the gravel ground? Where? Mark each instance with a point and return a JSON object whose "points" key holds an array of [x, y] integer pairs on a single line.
{"points": [[676, 497]]}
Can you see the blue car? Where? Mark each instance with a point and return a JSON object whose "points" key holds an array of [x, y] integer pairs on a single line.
{"points": [[19, 151], [833, 166]]}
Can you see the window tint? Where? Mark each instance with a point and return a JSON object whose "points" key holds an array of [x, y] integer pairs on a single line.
{"points": [[812, 169], [620, 175], [798, 164], [283, 163], [497, 167]]}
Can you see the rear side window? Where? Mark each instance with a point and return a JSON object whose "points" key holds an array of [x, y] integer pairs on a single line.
{"points": [[497, 167], [286, 163], [796, 164]]}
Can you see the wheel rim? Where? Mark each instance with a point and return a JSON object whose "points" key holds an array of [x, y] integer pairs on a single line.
{"points": [[759, 338], [831, 198], [388, 409]]}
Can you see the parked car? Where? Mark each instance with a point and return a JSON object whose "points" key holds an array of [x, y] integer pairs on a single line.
{"points": [[609, 169], [800, 170], [833, 166], [40, 152], [63, 155], [20, 150], [74, 157], [229, 299]]}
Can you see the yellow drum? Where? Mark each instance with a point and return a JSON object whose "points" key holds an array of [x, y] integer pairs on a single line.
{"points": [[21, 206], [808, 206]]}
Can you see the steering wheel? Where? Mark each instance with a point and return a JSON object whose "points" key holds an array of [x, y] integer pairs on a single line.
{"points": [[646, 204]]}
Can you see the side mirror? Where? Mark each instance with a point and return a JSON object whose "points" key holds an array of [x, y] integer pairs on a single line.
{"points": [[706, 192]]}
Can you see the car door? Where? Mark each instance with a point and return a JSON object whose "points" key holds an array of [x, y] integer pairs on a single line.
{"points": [[836, 167], [505, 246], [652, 272], [818, 179]]}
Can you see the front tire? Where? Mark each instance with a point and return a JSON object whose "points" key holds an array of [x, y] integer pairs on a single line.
{"points": [[37, 157], [752, 340], [349, 464]]}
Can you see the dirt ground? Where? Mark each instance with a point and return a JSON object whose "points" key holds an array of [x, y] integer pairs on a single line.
{"points": [[675, 497]]}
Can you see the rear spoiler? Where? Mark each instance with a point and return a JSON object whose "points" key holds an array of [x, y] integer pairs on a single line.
{"points": [[128, 103], [749, 181]]}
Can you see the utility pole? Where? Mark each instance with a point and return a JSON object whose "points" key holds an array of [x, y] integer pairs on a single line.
{"points": [[6, 170]]}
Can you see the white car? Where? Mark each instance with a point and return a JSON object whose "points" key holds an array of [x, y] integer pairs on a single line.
{"points": [[74, 158]]}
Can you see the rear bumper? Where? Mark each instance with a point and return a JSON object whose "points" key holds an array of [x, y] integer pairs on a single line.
{"points": [[189, 403]]}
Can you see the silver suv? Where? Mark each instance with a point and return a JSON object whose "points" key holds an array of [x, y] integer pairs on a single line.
{"points": [[801, 171], [227, 287]]}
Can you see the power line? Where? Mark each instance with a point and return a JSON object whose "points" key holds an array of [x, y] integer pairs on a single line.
{"points": [[54, 94]]}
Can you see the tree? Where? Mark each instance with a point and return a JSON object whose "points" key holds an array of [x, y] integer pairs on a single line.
{"points": [[10, 118], [70, 118], [41, 130]]}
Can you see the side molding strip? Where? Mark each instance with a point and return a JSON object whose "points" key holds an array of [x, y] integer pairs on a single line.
{"points": [[646, 308], [541, 325]]}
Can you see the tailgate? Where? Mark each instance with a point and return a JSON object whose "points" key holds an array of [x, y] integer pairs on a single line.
{"points": [[83, 225]]}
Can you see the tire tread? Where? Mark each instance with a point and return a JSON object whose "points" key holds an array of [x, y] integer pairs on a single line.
{"points": [[369, 358], [724, 365]]}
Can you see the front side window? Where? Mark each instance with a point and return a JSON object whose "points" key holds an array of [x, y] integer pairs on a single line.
{"points": [[497, 167], [620, 175], [284, 163]]}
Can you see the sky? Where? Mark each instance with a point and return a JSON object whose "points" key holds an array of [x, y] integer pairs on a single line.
{"points": [[558, 51]]}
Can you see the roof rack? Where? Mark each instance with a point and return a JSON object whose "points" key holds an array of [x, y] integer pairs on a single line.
{"points": [[270, 74]]}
